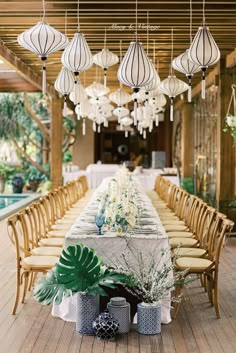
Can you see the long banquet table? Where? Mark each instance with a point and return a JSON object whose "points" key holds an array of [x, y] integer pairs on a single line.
{"points": [[148, 236]]}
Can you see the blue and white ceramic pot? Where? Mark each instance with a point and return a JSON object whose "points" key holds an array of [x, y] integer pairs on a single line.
{"points": [[87, 311], [105, 326], [149, 318]]}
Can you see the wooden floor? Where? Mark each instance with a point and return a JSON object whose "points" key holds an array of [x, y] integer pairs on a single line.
{"points": [[195, 330]]}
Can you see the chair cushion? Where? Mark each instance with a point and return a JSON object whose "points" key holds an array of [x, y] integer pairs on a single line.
{"points": [[189, 252], [45, 262], [52, 242], [64, 227], [180, 235], [57, 233], [172, 222], [182, 242], [193, 263], [46, 251], [175, 227]]}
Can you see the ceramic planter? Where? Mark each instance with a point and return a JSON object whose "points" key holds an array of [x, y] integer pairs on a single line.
{"points": [[87, 312], [149, 318]]}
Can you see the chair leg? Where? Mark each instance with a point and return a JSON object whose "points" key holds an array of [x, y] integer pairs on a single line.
{"points": [[17, 295], [176, 303], [210, 289], [216, 303], [26, 281]]}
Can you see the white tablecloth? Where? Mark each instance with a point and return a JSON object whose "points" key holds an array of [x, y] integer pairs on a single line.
{"points": [[149, 239]]}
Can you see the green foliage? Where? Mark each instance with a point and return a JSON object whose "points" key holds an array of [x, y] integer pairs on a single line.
{"points": [[79, 270], [33, 173], [6, 171], [67, 157]]}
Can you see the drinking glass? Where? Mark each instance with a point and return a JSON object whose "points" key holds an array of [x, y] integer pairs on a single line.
{"points": [[99, 220]]}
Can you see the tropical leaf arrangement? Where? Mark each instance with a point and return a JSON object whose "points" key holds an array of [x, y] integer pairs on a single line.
{"points": [[79, 270]]}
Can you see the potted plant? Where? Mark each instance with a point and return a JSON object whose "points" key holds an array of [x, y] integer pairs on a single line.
{"points": [[152, 278], [17, 183], [5, 172], [80, 271], [34, 177]]}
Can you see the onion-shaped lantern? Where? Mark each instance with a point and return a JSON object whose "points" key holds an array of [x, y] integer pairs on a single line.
{"points": [[172, 86], [96, 90], [105, 58], [187, 67], [120, 97], [78, 95], [154, 83], [204, 52], [77, 56], [135, 70], [120, 112], [43, 40], [99, 100], [64, 85]]}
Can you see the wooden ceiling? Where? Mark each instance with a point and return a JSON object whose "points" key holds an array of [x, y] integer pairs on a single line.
{"points": [[117, 16]]}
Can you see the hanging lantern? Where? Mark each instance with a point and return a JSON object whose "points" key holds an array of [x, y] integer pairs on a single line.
{"points": [[135, 70], [187, 67], [78, 94], [158, 101], [172, 86], [99, 100], [120, 112], [43, 40], [64, 85], [204, 52], [105, 59], [120, 97], [154, 83], [77, 57], [96, 90]]}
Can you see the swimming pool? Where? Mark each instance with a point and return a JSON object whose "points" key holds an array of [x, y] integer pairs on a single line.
{"points": [[10, 204]]}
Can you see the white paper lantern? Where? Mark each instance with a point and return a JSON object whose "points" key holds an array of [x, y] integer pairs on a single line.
{"points": [[120, 97], [105, 58], [77, 56], [204, 52], [188, 68], [172, 87], [96, 90], [64, 85], [43, 39]]}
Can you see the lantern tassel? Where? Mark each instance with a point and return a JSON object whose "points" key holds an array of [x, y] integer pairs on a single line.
{"points": [[203, 84], [126, 133], [144, 134], [189, 90], [157, 120], [75, 89], [172, 109], [135, 111], [83, 128], [65, 107], [105, 78], [44, 79], [94, 126], [99, 129], [150, 126]]}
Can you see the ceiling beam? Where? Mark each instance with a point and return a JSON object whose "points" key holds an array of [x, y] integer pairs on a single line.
{"points": [[22, 69]]}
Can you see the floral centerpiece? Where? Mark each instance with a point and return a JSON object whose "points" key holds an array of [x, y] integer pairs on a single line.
{"points": [[118, 204]]}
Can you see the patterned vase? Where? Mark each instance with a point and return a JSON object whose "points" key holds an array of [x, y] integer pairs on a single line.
{"points": [[149, 319], [105, 326], [120, 310], [87, 311]]}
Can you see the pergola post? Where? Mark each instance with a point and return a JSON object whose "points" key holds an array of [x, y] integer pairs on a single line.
{"points": [[225, 179], [56, 142], [187, 141]]}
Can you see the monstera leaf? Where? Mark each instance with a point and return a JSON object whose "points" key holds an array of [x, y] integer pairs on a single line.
{"points": [[79, 270]]}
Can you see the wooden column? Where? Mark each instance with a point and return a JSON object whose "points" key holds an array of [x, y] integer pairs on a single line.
{"points": [[225, 179], [56, 142], [187, 140]]}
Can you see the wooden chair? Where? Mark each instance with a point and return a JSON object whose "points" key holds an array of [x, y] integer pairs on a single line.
{"points": [[207, 267], [26, 264]]}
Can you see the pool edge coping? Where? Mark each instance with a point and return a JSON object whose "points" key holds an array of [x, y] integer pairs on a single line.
{"points": [[29, 198]]}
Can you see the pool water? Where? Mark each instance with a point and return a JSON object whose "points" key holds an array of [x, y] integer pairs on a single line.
{"points": [[6, 201]]}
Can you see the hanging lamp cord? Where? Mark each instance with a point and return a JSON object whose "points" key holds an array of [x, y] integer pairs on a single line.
{"points": [[203, 12], [78, 25], [44, 11], [191, 22]]}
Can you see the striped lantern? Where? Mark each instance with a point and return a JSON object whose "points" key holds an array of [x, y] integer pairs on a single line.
{"points": [[187, 67], [135, 70], [43, 40], [172, 87], [64, 85], [204, 52], [77, 56], [105, 58], [154, 83]]}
